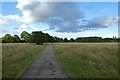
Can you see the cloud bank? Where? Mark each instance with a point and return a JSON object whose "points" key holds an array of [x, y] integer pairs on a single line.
{"points": [[60, 16], [6, 20]]}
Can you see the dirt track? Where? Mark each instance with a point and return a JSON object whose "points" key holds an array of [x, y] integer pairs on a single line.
{"points": [[45, 66]]}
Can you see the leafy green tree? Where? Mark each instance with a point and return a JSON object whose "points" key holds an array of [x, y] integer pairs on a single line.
{"points": [[72, 40], [0, 40], [16, 38], [25, 36], [48, 38], [65, 40], [51, 39], [37, 37], [8, 39], [61, 40]]}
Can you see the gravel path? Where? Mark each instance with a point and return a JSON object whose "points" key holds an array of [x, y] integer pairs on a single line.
{"points": [[45, 66]]}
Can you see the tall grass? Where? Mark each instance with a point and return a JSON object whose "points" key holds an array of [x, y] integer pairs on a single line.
{"points": [[88, 60], [17, 57], [0, 60]]}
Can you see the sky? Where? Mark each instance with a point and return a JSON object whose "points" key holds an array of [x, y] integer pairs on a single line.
{"points": [[62, 19]]}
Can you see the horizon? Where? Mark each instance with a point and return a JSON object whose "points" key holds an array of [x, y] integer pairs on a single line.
{"points": [[89, 19], [68, 38]]}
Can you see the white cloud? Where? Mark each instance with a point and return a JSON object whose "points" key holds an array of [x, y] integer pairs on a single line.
{"points": [[104, 21], [33, 11], [5, 20], [23, 26], [61, 17], [34, 28], [118, 19], [41, 11]]}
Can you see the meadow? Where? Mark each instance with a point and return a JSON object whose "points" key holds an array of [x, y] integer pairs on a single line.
{"points": [[88, 60], [79, 60], [16, 57], [0, 60]]}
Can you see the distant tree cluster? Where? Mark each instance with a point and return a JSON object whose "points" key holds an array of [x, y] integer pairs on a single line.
{"points": [[39, 37], [25, 37], [10, 39], [96, 39]]}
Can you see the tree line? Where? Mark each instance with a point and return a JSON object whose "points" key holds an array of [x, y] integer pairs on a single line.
{"points": [[39, 37]]}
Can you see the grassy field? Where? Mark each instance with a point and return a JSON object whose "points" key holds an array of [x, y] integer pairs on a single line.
{"points": [[0, 60], [88, 60], [17, 57]]}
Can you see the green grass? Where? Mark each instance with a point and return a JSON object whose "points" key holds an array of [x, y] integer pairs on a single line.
{"points": [[88, 60], [0, 60], [17, 57], [0, 40]]}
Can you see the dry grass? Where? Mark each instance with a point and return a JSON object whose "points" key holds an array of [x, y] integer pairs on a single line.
{"points": [[88, 60], [17, 57], [0, 60]]}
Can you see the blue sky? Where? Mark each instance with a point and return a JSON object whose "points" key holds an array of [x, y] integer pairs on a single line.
{"points": [[10, 8], [99, 9], [99, 18]]}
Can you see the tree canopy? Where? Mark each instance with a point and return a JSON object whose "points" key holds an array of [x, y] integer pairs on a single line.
{"points": [[25, 36], [65, 40], [16, 38], [8, 38], [39, 37]]}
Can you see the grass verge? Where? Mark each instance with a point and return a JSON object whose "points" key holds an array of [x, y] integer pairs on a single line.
{"points": [[0, 61], [88, 60], [17, 57]]}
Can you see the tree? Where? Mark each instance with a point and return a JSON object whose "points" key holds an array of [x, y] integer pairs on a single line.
{"points": [[61, 39], [37, 37], [72, 40], [7, 39], [48, 38], [25, 36], [65, 40], [0, 40], [16, 38]]}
